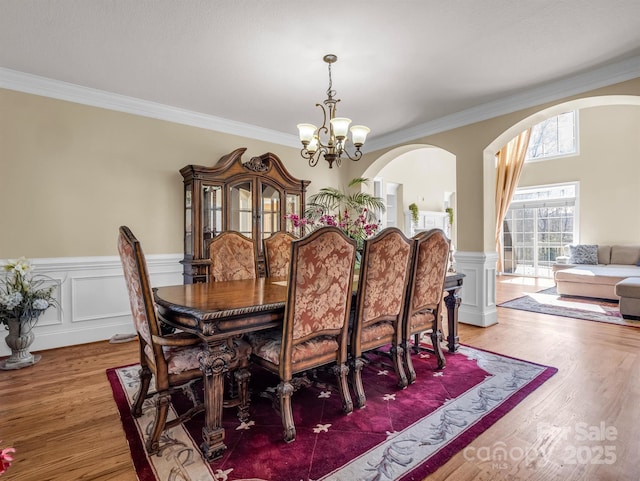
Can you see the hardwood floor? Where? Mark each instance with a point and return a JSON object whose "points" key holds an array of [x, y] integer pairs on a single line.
{"points": [[61, 418]]}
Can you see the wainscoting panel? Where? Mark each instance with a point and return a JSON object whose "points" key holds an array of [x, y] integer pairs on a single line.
{"points": [[94, 304], [478, 292]]}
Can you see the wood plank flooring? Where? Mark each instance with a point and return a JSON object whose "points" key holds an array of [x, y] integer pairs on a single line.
{"points": [[61, 418]]}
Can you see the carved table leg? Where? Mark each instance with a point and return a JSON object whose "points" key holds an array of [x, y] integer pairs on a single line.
{"points": [[452, 301], [214, 363]]}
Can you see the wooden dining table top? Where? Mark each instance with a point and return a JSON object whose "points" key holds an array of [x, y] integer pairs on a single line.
{"points": [[211, 300], [193, 304]]}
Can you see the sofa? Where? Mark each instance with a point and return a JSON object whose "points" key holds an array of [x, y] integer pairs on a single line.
{"points": [[594, 270]]}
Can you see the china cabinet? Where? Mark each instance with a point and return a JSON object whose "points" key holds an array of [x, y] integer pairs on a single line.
{"points": [[252, 197]]}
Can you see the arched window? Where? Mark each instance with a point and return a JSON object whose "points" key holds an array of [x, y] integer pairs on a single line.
{"points": [[555, 137]]}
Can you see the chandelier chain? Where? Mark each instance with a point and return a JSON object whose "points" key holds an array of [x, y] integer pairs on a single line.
{"points": [[330, 92]]}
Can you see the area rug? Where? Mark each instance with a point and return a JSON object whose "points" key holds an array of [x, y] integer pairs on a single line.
{"points": [[548, 301], [400, 435]]}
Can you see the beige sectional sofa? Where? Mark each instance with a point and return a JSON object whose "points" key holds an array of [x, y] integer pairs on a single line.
{"points": [[614, 264]]}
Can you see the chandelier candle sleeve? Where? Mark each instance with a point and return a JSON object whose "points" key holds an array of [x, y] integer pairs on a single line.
{"points": [[330, 140]]}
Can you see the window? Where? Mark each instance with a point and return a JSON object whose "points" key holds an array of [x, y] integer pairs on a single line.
{"points": [[540, 222], [554, 137]]}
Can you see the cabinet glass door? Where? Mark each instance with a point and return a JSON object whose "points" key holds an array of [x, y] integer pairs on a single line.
{"points": [[188, 227], [293, 207], [270, 210], [211, 213], [241, 209]]}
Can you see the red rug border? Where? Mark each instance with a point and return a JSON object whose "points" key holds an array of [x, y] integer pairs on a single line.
{"points": [[442, 456], [145, 472]]}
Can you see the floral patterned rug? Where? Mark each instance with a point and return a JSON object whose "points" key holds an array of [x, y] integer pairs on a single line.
{"points": [[400, 435], [549, 302]]}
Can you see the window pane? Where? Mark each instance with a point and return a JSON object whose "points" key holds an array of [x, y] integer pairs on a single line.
{"points": [[553, 136]]}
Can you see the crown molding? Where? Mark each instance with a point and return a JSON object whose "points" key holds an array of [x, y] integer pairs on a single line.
{"points": [[602, 77], [34, 84]]}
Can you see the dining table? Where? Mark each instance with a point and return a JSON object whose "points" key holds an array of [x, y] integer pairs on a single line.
{"points": [[218, 312]]}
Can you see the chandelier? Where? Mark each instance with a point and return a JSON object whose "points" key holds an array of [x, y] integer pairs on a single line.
{"points": [[329, 141]]}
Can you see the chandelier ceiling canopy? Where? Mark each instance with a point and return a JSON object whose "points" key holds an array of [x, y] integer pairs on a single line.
{"points": [[330, 140]]}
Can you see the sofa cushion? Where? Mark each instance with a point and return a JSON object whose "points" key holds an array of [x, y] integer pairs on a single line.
{"points": [[583, 254], [625, 255], [604, 254], [609, 275], [629, 287]]}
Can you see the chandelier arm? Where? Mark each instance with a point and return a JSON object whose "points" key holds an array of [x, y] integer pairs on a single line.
{"points": [[324, 119], [356, 156], [313, 157]]}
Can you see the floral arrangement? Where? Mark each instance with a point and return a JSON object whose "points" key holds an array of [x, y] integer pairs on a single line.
{"points": [[23, 295], [6, 458], [353, 213], [357, 227]]}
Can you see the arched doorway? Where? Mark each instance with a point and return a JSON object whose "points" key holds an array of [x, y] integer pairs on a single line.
{"points": [[598, 166], [421, 174]]}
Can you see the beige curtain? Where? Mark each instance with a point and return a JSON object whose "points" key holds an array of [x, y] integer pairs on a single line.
{"points": [[510, 160]]}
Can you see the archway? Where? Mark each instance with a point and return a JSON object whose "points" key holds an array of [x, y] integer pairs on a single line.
{"points": [[489, 170], [426, 176]]}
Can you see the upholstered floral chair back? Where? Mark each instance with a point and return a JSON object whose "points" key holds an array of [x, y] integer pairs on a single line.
{"points": [[378, 321], [321, 282], [136, 277], [383, 275], [277, 254], [319, 298], [233, 257], [430, 269]]}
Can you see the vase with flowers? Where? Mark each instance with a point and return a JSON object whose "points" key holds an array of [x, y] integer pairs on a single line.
{"points": [[352, 211], [24, 297]]}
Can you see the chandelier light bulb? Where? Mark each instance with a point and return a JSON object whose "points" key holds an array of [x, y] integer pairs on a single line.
{"points": [[306, 132], [359, 135], [340, 127], [313, 145]]}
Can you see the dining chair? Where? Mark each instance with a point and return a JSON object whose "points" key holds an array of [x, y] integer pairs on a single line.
{"points": [[233, 257], [316, 319], [277, 253], [171, 358], [423, 302], [384, 273]]}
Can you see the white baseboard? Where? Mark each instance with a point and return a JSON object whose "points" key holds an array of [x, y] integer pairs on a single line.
{"points": [[94, 304]]}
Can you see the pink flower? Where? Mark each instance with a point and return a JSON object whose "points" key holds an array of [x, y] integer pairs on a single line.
{"points": [[6, 458]]}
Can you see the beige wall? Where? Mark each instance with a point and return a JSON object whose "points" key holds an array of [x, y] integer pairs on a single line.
{"points": [[475, 229], [70, 175], [425, 175], [608, 169]]}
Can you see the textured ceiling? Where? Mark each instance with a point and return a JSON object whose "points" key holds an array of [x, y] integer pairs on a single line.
{"points": [[401, 63]]}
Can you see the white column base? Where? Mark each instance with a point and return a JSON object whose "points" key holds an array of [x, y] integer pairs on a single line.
{"points": [[478, 292]]}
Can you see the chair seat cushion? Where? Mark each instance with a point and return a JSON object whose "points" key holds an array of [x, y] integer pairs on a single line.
{"points": [[185, 358], [267, 344], [421, 319], [379, 330], [179, 359]]}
